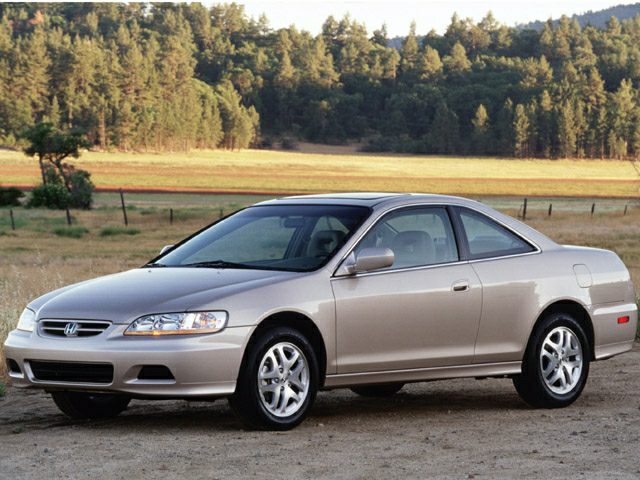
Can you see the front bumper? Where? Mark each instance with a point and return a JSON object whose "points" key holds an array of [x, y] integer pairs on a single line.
{"points": [[202, 365]]}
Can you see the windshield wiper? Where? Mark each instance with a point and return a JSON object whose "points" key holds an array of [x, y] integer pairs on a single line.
{"points": [[218, 264], [154, 265]]}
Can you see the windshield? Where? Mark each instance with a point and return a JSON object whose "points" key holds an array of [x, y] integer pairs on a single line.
{"points": [[289, 237]]}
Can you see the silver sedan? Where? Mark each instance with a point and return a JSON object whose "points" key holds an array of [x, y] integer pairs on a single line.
{"points": [[365, 291]]}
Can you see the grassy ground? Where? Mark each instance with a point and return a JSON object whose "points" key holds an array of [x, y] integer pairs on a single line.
{"points": [[338, 170], [35, 258]]}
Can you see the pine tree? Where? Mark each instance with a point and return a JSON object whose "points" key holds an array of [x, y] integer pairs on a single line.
{"points": [[53, 115], [457, 62], [409, 55], [429, 64], [505, 128], [285, 77], [521, 132], [621, 108], [481, 135], [444, 135], [545, 124], [580, 127], [567, 134], [380, 36]]}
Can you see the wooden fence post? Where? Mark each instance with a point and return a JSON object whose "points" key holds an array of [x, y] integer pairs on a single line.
{"points": [[68, 217], [13, 222], [524, 210], [171, 216], [221, 213], [593, 208], [625, 209], [550, 209], [124, 209]]}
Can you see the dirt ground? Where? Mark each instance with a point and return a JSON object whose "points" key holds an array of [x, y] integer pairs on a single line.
{"points": [[448, 429]]}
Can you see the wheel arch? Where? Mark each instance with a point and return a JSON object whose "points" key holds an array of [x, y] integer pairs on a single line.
{"points": [[577, 310], [297, 321]]}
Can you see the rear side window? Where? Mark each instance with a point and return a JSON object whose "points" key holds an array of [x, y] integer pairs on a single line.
{"points": [[487, 238]]}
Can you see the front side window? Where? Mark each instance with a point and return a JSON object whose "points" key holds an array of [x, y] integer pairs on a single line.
{"points": [[487, 238], [417, 236], [288, 237]]}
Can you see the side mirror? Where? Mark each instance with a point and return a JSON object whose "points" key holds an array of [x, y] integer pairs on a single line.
{"points": [[367, 260], [165, 248]]}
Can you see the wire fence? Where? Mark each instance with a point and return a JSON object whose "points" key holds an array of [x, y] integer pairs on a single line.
{"points": [[149, 213]]}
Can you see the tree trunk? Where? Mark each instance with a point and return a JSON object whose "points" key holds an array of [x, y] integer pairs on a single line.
{"points": [[65, 177], [44, 178], [102, 130]]}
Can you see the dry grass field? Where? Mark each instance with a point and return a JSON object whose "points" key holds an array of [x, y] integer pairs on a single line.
{"points": [[339, 169], [35, 259]]}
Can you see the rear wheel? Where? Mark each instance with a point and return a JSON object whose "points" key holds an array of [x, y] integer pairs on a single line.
{"points": [[81, 405], [556, 363], [279, 381], [378, 390]]}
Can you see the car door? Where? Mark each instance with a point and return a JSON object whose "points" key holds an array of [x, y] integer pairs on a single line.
{"points": [[421, 312], [508, 271]]}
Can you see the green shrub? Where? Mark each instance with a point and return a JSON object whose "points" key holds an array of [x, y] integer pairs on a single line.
{"points": [[377, 144], [10, 196], [54, 194], [288, 143], [71, 232], [51, 195], [110, 231], [81, 189]]}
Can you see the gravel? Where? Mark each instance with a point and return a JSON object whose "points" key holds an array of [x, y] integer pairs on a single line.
{"points": [[450, 429]]}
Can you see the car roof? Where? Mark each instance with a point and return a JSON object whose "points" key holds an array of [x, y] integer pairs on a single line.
{"points": [[367, 199], [384, 201]]}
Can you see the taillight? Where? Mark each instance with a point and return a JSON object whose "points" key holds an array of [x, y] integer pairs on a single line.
{"points": [[623, 319]]}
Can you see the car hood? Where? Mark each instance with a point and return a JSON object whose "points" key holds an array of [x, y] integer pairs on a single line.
{"points": [[122, 297]]}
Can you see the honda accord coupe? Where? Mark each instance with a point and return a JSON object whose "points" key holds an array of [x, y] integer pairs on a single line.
{"points": [[366, 291]]}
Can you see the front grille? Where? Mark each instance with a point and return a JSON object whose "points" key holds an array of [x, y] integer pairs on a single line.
{"points": [[79, 328], [72, 372]]}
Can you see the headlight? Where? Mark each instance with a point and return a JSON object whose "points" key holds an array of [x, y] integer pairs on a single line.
{"points": [[27, 320], [178, 323]]}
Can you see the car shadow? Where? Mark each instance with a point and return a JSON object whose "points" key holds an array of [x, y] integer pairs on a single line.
{"points": [[330, 406], [420, 403]]}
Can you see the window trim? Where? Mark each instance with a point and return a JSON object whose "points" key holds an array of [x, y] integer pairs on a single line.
{"points": [[454, 219], [401, 208], [462, 235]]}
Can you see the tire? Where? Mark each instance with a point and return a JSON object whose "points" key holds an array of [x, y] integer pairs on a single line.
{"points": [[83, 405], [378, 391], [282, 397], [555, 378]]}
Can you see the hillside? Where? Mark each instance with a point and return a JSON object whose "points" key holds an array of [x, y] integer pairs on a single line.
{"points": [[173, 77], [597, 19]]}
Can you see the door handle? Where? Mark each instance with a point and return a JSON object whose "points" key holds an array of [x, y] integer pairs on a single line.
{"points": [[460, 286]]}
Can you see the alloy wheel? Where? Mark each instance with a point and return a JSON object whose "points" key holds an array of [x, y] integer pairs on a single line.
{"points": [[283, 379], [561, 360]]}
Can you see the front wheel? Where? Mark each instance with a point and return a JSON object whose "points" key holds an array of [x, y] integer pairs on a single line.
{"points": [[278, 383], [556, 364], [82, 405]]}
